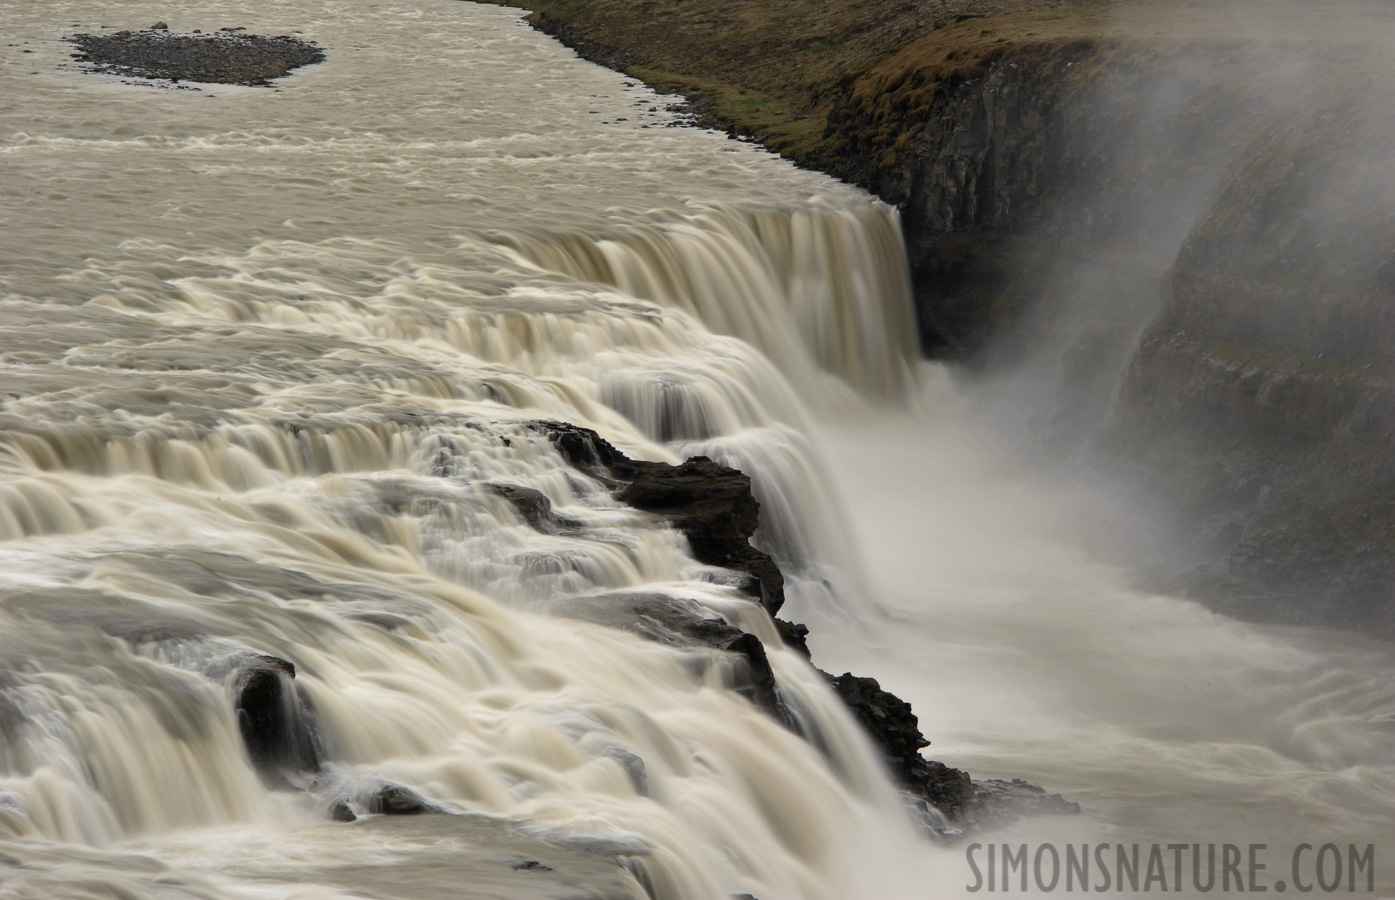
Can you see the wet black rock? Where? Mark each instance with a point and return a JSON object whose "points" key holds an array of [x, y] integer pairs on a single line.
{"points": [[1020, 798], [713, 506], [665, 619], [223, 58], [795, 636], [759, 686], [968, 805], [895, 729], [340, 812], [710, 503], [679, 622], [275, 721], [534, 507], [529, 865], [396, 800]]}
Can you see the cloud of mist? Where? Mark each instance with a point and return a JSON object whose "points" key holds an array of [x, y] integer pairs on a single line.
{"points": [[1224, 182]]}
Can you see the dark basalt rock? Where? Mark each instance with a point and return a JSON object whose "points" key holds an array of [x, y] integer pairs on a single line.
{"points": [[968, 804], [396, 800], [886, 717], [714, 507], [657, 617], [795, 636], [895, 729], [534, 507], [710, 503], [227, 57], [529, 865], [760, 688], [275, 722], [680, 623], [1019, 798], [340, 812]]}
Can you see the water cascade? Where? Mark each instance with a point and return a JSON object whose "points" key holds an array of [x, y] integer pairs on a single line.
{"points": [[271, 380]]}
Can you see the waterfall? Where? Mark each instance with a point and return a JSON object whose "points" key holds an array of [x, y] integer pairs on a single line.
{"points": [[268, 390], [838, 275]]}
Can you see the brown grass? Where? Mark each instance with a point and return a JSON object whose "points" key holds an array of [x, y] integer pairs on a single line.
{"points": [[773, 69]]}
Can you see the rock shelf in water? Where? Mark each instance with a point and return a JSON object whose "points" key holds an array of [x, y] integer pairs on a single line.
{"points": [[227, 56], [713, 506]]}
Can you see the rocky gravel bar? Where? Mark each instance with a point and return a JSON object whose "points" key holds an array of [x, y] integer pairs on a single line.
{"points": [[227, 56]]}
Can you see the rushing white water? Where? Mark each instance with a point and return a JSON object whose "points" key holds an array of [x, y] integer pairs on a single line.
{"points": [[1024, 655], [262, 353]]}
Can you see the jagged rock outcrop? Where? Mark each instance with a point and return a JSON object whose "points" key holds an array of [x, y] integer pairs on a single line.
{"points": [[895, 730], [712, 505], [701, 494]]}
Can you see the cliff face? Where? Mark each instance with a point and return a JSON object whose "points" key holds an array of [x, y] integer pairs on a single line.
{"points": [[971, 165], [1265, 390], [1193, 239]]}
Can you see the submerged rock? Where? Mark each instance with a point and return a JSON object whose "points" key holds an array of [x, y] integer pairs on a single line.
{"points": [[275, 722], [680, 622], [529, 865], [533, 507], [340, 812], [396, 800]]}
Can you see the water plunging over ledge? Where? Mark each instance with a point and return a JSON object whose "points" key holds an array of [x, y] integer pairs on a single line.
{"points": [[264, 351]]}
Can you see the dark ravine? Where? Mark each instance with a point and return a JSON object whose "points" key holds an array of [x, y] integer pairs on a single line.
{"points": [[1229, 246], [1202, 209]]}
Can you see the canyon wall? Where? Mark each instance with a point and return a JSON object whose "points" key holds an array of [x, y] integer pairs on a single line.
{"points": [[1191, 239]]}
